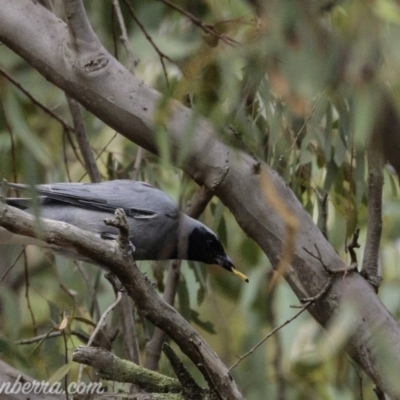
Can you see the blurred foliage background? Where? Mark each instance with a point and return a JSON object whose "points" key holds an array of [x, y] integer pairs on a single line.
{"points": [[294, 85]]}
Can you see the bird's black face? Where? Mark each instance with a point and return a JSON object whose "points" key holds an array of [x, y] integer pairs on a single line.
{"points": [[205, 246]]}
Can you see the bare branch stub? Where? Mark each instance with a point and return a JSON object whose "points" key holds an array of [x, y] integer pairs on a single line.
{"points": [[241, 358], [332, 272], [354, 245], [81, 32], [119, 221]]}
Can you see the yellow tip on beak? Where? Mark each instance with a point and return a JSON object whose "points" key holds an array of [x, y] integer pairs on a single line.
{"points": [[243, 277]]}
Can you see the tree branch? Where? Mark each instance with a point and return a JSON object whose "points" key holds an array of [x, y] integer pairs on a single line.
{"points": [[113, 368], [375, 187], [124, 36], [127, 105], [138, 287], [83, 141]]}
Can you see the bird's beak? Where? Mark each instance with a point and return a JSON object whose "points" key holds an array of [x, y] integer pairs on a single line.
{"points": [[226, 262]]}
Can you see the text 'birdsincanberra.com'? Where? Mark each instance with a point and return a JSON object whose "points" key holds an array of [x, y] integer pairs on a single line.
{"points": [[20, 386]]}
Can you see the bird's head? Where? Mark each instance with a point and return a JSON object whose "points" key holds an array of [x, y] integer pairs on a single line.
{"points": [[204, 246]]}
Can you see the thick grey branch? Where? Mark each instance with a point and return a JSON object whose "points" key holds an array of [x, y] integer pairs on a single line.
{"points": [[130, 107]]}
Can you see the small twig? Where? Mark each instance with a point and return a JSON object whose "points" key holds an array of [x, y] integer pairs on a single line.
{"points": [[354, 245], [124, 36], [321, 293], [28, 300], [278, 357], [95, 304], [61, 120], [83, 141], [241, 358], [323, 216], [206, 28], [161, 55], [101, 153], [67, 128], [329, 270], [84, 338], [101, 322], [12, 265], [99, 326]]}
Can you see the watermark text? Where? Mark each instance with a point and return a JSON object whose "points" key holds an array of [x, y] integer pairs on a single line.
{"points": [[42, 387]]}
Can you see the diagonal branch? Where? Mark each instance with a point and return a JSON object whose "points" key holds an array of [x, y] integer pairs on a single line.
{"points": [[138, 287], [130, 107]]}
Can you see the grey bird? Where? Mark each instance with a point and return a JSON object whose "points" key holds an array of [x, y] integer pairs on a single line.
{"points": [[158, 229]]}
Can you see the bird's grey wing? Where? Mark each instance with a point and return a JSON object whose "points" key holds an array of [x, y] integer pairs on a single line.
{"points": [[137, 199]]}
